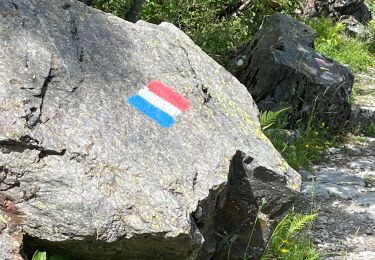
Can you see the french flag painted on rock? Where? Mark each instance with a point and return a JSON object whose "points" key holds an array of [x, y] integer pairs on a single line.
{"points": [[160, 103]]}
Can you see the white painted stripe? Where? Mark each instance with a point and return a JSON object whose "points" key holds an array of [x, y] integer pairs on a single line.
{"points": [[159, 102]]}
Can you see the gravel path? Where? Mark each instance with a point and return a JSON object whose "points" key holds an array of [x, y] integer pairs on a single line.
{"points": [[343, 190]]}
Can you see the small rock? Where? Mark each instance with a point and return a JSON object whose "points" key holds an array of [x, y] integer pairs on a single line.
{"points": [[323, 219], [317, 241], [339, 177], [358, 217], [333, 150], [362, 164]]}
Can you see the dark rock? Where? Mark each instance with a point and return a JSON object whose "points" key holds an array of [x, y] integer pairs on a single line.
{"points": [[86, 175], [248, 181], [365, 116], [135, 11], [88, 2], [355, 28], [362, 14], [346, 6], [354, 14], [280, 68], [338, 8]]}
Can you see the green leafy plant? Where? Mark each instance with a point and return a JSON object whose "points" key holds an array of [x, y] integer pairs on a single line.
{"points": [[38, 255], [269, 118], [289, 242]]}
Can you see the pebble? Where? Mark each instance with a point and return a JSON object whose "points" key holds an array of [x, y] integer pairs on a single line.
{"points": [[334, 150]]}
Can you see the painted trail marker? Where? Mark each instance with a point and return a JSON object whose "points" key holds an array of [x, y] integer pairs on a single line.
{"points": [[160, 103], [322, 62]]}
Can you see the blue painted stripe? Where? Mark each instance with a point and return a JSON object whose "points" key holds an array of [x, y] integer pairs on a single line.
{"points": [[151, 111]]}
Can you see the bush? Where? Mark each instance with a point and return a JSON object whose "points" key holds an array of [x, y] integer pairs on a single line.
{"points": [[212, 24]]}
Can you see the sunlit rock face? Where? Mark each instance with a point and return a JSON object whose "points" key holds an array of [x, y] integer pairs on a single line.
{"points": [[90, 169]]}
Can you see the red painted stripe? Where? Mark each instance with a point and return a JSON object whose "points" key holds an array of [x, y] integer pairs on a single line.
{"points": [[169, 95], [322, 62]]}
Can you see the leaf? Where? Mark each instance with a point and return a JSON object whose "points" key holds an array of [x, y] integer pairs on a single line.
{"points": [[268, 118], [299, 221], [39, 255]]}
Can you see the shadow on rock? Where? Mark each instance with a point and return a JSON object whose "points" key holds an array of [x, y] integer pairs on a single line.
{"points": [[227, 217]]}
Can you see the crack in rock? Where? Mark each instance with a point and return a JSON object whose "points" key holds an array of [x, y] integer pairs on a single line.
{"points": [[35, 113], [202, 88], [9, 179], [27, 143], [77, 45]]}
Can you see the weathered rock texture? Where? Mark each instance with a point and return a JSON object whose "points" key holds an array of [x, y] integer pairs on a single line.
{"points": [[280, 68], [354, 14], [84, 174]]}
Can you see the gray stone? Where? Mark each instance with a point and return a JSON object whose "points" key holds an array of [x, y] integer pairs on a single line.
{"points": [[280, 69], [362, 115], [369, 201], [354, 14], [93, 178], [369, 178], [328, 190], [338, 9], [340, 178], [358, 217], [355, 28], [360, 255], [362, 164], [356, 8], [333, 150]]}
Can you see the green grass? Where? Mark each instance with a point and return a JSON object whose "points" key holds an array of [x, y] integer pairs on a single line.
{"points": [[371, 26], [333, 42], [364, 130], [302, 146]]}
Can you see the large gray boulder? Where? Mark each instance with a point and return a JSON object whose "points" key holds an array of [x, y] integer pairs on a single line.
{"points": [[84, 174], [280, 68]]}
